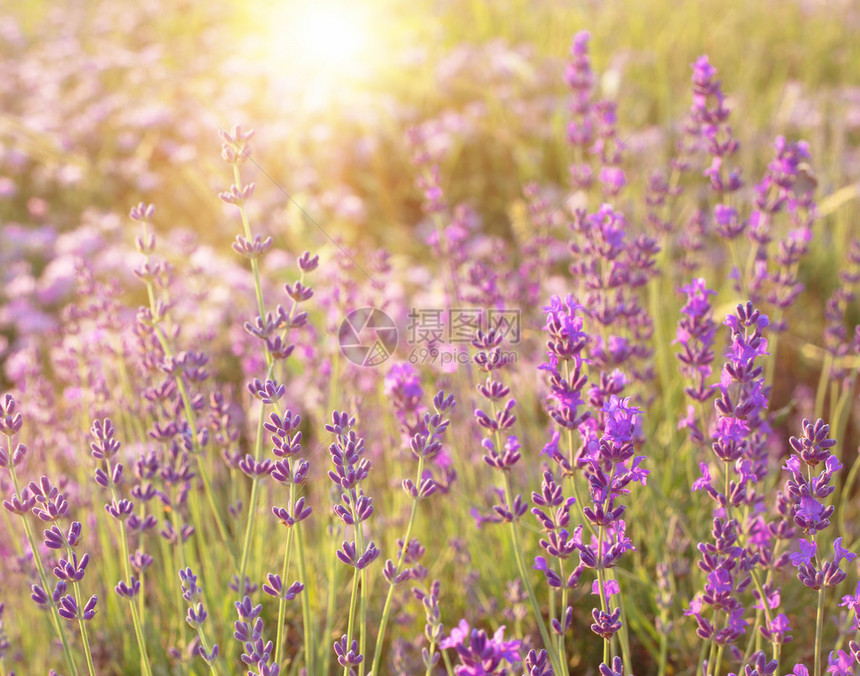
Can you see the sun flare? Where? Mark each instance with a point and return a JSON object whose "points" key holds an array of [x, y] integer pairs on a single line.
{"points": [[324, 43]]}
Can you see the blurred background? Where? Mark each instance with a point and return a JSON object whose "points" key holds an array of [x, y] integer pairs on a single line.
{"points": [[109, 103], [105, 104]]}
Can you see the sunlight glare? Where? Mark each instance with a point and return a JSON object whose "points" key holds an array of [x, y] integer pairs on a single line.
{"points": [[325, 42]]}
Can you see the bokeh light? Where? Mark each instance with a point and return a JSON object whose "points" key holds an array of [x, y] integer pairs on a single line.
{"points": [[320, 46]]}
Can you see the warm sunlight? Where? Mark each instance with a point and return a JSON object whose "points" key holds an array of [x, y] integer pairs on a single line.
{"points": [[323, 44]]}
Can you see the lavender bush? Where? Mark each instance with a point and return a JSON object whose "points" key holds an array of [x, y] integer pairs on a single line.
{"points": [[522, 381]]}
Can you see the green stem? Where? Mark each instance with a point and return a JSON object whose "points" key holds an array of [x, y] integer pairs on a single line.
{"points": [[85, 639], [330, 603], [386, 609], [204, 643], [654, 297], [573, 483], [449, 669], [351, 614], [562, 651], [821, 390], [198, 452], [711, 652], [736, 259], [624, 638], [601, 586], [719, 660], [773, 345], [141, 641], [210, 496], [760, 589], [310, 656], [753, 637], [429, 670], [252, 507], [753, 573], [180, 545], [19, 550], [246, 227], [664, 648], [819, 627], [282, 603], [362, 627]]}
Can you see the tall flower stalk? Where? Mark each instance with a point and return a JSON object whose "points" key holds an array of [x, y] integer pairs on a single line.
{"points": [[196, 617], [20, 503], [50, 507], [811, 450], [270, 328], [426, 444], [153, 317], [502, 456], [350, 469], [104, 448], [249, 632], [288, 470], [738, 433]]}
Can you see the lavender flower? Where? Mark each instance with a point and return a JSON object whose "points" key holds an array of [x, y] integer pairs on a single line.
{"points": [[805, 491], [695, 335], [249, 632], [738, 435], [69, 609], [481, 655], [347, 653]]}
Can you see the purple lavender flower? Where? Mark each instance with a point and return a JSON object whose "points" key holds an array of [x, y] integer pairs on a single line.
{"points": [[739, 446], [840, 663], [275, 587], [804, 492], [69, 610], [402, 384], [249, 632], [347, 653], [499, 454], [565, 363], [479, 654], [695, 335], [613, 268], [836, 338], [128, 591], [782, 186], [581, 128], [617, 668], [537, 664]]}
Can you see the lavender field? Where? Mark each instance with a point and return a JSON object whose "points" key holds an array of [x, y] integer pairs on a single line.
{"points": [[433, 337]]}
